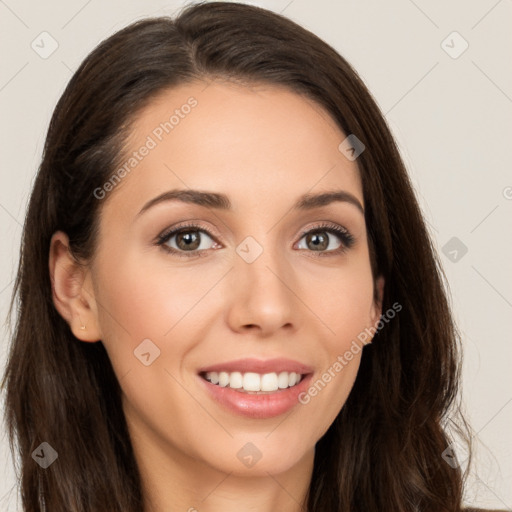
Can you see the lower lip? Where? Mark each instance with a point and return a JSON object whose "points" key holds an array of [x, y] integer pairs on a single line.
{"points": [[256, 406]]}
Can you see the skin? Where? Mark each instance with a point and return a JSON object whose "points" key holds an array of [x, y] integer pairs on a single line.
{"points": [[245, 142]]}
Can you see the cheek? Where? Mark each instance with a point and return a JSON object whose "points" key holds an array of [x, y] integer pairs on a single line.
{"points": [[146, 315], [138, 300], [148, 307], [136, 303], [343, 307], [342, 301]]}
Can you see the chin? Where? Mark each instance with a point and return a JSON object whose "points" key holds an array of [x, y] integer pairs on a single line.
{"points": [[261, 457]]}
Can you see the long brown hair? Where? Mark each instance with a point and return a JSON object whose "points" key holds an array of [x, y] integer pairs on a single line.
{"points": [[384, 449]]}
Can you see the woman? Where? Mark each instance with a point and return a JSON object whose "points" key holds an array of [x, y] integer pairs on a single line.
{"points": [[301, 356]]}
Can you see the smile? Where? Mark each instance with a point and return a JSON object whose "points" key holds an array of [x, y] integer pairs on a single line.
{"points": [[256, 388], [253, 383]]}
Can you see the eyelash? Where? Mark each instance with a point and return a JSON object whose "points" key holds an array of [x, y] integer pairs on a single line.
{"points": [[347, 239]]}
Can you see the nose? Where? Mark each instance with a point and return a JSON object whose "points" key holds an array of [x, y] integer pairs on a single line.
{"points": [[261, 296]]}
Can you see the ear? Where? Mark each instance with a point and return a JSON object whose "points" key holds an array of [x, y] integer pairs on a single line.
{"points": [[376, 310], [72, 290]]}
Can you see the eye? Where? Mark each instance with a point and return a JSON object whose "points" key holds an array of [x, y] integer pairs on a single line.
{"points": [[322, 239], [185, 239], [189, 240]]}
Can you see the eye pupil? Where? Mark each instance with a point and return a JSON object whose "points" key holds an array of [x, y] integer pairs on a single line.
{"points": [[314, 238], [190, 238]]}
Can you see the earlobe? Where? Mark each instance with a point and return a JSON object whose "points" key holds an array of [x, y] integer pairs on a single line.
{"points": [[71, 290]]}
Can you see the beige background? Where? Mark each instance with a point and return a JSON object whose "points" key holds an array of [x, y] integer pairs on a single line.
{"points": [[451, 117]]}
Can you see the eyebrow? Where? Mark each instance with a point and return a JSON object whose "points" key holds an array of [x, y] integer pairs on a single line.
{"points": [[221, 201]]}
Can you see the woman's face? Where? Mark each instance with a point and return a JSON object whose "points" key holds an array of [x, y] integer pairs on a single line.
{"points": [[240, 282]]}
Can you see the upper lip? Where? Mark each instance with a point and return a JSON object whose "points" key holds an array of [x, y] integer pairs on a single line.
{"points": [[262, 366]]}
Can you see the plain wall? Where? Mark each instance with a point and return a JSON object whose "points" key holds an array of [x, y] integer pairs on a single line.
{"points": [[451, 115]]}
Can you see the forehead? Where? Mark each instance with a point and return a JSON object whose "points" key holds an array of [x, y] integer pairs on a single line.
{"points": [[242, 141]]}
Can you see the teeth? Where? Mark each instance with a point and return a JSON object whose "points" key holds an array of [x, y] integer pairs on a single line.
{"points": [[223, 379], [269, 382], [283, 380], [254, 382], [235, 380]]}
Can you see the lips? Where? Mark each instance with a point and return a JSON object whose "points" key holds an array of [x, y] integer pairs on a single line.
{"points": [[260, 366], [256, 404]]}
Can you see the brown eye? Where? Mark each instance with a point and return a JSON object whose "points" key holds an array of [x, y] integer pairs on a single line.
{"points": [[317, 241], [327, 240], [188, 240]]}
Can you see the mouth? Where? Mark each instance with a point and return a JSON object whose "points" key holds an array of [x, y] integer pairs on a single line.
{"points": [[252, 382], [254, 388]]}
